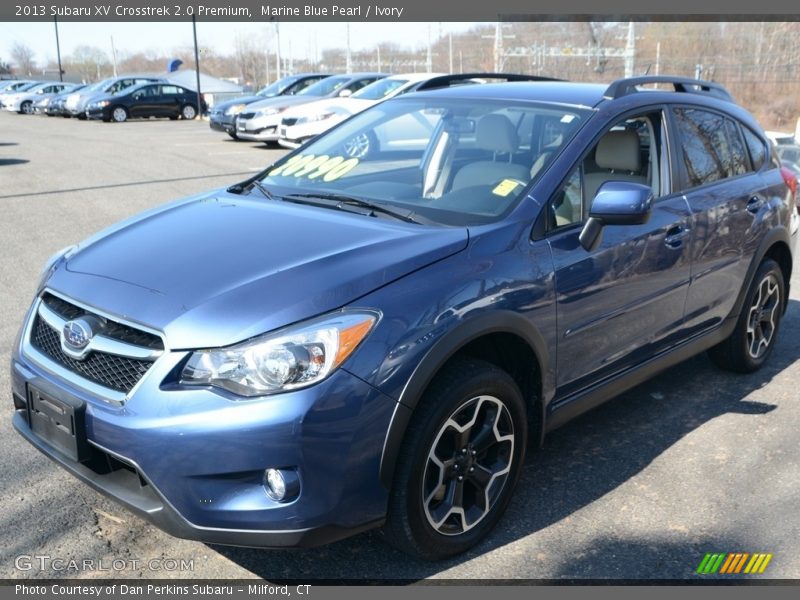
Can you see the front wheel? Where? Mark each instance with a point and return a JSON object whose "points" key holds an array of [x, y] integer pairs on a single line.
{"points": [[460, 461], [26, 108], [753, 339], [119, 114], [188, 112]]}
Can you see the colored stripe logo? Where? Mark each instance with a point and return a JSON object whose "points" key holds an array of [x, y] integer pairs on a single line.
{"points": [[733, 563]]}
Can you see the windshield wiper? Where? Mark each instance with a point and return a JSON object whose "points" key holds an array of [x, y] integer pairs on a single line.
{"points": [[263, 189], [341, 201], [239, 188]]}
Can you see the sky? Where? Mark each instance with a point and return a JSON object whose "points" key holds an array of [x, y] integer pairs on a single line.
{"points": [[301, 40]]}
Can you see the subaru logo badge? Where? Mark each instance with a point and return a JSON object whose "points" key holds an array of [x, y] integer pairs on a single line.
{"points": [[77, 334]]}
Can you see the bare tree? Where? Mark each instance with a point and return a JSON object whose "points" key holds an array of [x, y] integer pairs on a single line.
{"points": [[89, 62], [23, 55]]}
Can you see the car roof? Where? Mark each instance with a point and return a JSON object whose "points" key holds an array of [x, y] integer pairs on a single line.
{"points": [[562, 92]]}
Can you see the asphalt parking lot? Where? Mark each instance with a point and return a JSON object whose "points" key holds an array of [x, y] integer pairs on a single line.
{"points": [[694, 461]]}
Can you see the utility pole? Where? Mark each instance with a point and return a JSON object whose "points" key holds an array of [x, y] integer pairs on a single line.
{"points": [[197, 69], [277, 51], [630, 50], [348, 60], [429, 57], [113, 56], [451, 52], [499, 52], [379, 57]]}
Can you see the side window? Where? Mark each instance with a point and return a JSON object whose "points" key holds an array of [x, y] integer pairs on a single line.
{"points": [[708, 152], [357, 85], [301, 85], [631, 150], [169, 90], [758, 152], [739, 163]]}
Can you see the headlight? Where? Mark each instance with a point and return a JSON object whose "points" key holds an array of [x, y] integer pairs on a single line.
{"points": [[52, 262], [265, 112], [288, 359], [317, 117], [102, 103], [235, 109]]}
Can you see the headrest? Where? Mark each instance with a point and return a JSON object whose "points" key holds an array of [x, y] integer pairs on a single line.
{"points": [[496, 133], [619, 150]]}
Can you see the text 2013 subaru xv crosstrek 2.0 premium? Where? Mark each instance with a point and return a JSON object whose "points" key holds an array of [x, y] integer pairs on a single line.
{"points": [[341, 343]]}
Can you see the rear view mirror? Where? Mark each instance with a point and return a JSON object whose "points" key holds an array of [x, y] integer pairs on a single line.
{"points": [[616, 203]]}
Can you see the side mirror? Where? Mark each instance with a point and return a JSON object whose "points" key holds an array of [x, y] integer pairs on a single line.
{"points": [[616, 203], [345, 93]]}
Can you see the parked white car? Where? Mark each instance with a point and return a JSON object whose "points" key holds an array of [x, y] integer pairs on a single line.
{"points": [[300, 124], [259, 121], [22, 102]]}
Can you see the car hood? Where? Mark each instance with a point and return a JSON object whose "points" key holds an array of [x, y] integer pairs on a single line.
{"points": [[281, 101], [223, 106], [344, 106], [213, 270]]}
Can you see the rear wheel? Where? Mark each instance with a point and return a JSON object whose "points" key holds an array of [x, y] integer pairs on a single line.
{"points": [[119, 114], [460, 461], [751, 343], [188, 112]]}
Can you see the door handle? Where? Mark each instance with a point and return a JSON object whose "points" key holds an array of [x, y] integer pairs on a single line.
{"points": [[675, 235], [754, 204]]}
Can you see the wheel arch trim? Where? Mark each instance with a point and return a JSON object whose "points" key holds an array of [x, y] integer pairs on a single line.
{"points": [[438, 355]]}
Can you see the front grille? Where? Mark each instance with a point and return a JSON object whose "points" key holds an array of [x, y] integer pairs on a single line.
{"points": [[288, 122], [248, 115], [115, 372], [118, 373]]}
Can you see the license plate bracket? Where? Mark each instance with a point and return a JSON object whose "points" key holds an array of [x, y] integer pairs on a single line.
{"points": [[60, 422]]}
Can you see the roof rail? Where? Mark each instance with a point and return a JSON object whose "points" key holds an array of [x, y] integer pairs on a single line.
{"points": [[623, 87], [448, 80]]}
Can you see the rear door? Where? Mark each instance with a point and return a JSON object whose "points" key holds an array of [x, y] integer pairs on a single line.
{"points": [[624, 302], [169, 100], [728, 199]]}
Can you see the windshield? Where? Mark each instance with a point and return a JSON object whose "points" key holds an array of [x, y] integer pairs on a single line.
{"points": [[275, 89], [380, 89], [324, 87], [451, 161]]}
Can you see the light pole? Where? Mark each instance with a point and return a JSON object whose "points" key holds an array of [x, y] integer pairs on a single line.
{"points": [[58, 51]]}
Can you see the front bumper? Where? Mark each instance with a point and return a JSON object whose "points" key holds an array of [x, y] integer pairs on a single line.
{"points": [[191, 460], [258, 129], [97, 113], [222, 122]]}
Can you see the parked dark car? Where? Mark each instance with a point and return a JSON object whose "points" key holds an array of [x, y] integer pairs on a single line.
{"points": [[76, 103], [222, 116], [340, 343], [142, 101]]}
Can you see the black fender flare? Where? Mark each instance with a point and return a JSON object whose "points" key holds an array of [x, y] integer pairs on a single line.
{"points": [[774, 236], [436, 357]]}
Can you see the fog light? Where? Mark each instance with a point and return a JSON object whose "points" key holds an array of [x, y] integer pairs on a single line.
{"points": [[281, 485]]}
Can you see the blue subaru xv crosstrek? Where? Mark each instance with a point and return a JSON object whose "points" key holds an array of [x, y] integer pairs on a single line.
{"points": [[345, 342]]}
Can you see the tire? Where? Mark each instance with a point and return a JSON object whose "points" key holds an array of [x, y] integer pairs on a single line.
{"points": [[753, 339], [119, 114], [26, 108], [188, 112], [233, 135], [471, 420]]}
